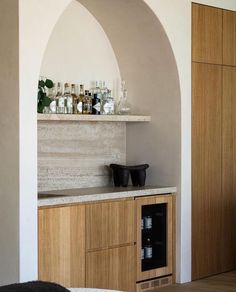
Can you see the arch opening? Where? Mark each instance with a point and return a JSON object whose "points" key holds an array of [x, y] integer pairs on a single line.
{"points": [[146, 61]]}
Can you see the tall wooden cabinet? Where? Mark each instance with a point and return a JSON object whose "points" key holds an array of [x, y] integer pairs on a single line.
{"points": [[213, 140]]}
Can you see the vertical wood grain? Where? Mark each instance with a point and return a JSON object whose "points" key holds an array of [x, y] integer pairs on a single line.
{"points": [[61, 233], [206, 34], [229, 37], [111, 269], [110, 224], [206, 169], [228, 169]]}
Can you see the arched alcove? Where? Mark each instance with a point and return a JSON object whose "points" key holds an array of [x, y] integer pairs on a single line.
{"points": [[147, 63]]}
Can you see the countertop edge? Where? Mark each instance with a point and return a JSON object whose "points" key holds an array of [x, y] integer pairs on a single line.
{"points": [[63, 200]]}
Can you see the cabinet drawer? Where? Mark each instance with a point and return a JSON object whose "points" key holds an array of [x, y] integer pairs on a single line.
{"points": [[111, 269], [110, 224]]}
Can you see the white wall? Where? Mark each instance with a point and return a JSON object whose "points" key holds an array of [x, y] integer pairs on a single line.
{"points": [[79, 51]]}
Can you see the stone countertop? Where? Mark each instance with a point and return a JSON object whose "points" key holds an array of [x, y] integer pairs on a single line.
{"points": [[71, 196]]}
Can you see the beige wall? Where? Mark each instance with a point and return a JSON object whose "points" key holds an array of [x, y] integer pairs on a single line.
{"points": [[9, 142], [79, 51]]}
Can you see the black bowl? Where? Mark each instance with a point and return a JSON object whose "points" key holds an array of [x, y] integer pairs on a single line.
{"points": [[121, 174], [138, 174]]}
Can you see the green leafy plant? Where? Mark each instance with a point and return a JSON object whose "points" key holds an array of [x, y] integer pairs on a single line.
{"points": [[43, 99]]}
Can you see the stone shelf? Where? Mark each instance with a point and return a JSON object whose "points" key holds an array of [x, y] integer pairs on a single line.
{"points": [[94, 118]]}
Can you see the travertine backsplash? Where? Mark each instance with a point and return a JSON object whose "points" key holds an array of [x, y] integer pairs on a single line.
{"points": [[76, 154]]}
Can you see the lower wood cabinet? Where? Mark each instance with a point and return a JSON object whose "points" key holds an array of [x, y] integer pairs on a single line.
{"points": [[61, 234], [98, 245], [112, 268]]}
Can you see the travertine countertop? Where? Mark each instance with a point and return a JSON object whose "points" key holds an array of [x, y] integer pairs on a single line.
{"points": [[71, 196]]}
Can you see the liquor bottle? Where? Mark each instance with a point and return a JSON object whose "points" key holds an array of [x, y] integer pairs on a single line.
{"points": [[74, 97], [103, 90], [108, 104], [60, 99], [87, 103], [52, 96], [68, 100], [80, 100], [90, 103], [148, 249], [96, 105]]}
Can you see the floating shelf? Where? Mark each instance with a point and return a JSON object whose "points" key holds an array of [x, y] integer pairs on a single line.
{"points": [[93, 118]]}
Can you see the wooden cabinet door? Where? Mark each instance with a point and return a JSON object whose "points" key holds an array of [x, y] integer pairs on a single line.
{"points": [[206, 34], [228, 234], [61, 233], [206, 169], [111, 269], [168, 269], [229, 38], [110, 224]]}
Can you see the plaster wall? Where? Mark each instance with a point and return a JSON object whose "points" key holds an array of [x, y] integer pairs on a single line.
{"points": [[79, 51], [9, 142]]}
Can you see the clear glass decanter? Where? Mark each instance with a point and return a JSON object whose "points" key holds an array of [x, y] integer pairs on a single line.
{"points": [[124, 107]]}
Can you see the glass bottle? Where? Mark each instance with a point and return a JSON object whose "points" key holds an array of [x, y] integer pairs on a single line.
{"points": [[52, 96], [107, 104], [96, 105], [60, 100], [148, 249], [148, 222], [74, 98], [68, 100], [80, 100], [87, 103], [124, 107]]}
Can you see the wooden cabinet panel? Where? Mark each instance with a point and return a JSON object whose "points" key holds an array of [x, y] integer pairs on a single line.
{"points": [[110, 224], [168, 269], [228, 242], [61, 233], [206, 34], [111, 269], [206, 169], [229, 37]]}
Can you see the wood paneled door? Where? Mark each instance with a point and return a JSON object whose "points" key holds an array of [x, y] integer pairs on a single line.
{"points": [[113, 268], [110, 224], [213, 141], [228, 200], [229, 37], [206, 168], [206, 34], [61, 233]]}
